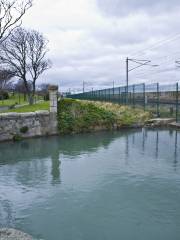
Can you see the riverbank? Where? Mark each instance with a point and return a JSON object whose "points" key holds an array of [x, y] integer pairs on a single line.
{"points": [[75, 116]]}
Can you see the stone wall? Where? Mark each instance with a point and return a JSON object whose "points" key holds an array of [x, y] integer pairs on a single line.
{"points": [[40, 123], [34, 124]]}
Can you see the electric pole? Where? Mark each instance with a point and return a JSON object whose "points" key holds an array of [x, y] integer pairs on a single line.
{"points": [[139, 64], [83, 86], [178, 63], [127, 79], [113, 88]]}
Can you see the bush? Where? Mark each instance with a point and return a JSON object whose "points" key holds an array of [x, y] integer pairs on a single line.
{"points": [[24, 129], [4, 95], [12, 106], [79, 116], [17, 138], [75, 116]]}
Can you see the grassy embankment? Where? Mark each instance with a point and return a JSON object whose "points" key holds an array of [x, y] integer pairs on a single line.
{"points": [[75, 116], [31, 108], [16, 99], [83, 116], [13, 100]]}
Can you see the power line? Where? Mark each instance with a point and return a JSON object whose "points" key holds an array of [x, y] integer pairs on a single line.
{"points": [[139, 63], [160, 66], [159, 43]]}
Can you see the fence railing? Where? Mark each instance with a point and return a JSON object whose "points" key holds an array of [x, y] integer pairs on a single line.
{"points": [[161, 100]]}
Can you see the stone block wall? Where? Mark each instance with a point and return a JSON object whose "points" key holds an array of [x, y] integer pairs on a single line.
{"points": [[40, 123]]}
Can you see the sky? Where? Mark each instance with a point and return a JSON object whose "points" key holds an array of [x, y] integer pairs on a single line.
{"points": [[89, 40]]}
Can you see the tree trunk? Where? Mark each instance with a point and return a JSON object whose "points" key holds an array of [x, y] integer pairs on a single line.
{"points": [[28, 92]]}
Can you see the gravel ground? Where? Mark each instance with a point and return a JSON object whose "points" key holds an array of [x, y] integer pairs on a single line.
{"points": [[12, 234]]}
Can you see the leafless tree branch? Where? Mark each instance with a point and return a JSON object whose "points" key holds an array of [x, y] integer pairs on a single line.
{"points": [[25, 53], [11, 13], [5, 78]]}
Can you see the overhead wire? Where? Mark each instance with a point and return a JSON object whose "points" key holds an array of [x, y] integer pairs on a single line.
{"points": [[157, 44]]}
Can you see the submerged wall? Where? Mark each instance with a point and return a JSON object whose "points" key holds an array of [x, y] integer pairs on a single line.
{"points": [[33, 124]]}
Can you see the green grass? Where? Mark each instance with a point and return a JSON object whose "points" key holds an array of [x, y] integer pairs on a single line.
{"points": [[31, 108], [16, 99]]}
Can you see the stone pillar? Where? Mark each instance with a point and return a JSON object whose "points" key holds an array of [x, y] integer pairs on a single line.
{"points": [[53, 97]]}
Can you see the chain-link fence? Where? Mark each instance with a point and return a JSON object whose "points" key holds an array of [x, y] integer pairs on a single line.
{"points": [[161, 100]]}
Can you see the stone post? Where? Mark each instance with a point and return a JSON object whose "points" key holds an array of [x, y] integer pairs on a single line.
{"points": [[53, 97]]}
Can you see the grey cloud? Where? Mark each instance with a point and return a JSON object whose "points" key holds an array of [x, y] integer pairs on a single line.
{"points": [[100, 59], [126, 7]]}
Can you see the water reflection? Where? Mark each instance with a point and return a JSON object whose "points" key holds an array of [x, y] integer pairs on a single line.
{"points": [[163, 143], [157, 144], [157, 141], [176, 150], [44, 174], [55, 171]]}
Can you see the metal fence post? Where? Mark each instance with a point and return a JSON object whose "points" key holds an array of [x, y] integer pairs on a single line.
{"points": [[119, 92], [144, 95], [158, 112], [113, 95], [177, 101], [126, 97], [133, 96]]}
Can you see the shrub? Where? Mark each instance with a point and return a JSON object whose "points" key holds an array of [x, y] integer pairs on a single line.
{"points": [[12, 106], [75, 116], [79, 116], [17, 138], [4, 95], [24, 129]]}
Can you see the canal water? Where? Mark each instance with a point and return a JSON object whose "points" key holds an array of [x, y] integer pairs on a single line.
{"points": [[102, 186]]}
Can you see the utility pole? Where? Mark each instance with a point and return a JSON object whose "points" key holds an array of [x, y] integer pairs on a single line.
{"points": [[83, 86], [127, 79], [139, 64], [178, 63], [113, 88]]}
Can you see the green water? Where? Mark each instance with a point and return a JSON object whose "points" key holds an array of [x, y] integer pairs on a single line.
{"points": [[102, 186]]}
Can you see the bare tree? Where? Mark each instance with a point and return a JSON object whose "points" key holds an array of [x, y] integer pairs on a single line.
{"points": [[6, 76], [11, 13], [20, 88], [25, 53], [37, 44]]}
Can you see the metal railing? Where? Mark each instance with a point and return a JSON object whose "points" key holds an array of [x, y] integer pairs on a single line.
{"points": [[161, 100]]}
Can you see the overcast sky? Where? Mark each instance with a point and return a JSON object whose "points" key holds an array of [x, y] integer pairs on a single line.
{"points": [[89, 40]]}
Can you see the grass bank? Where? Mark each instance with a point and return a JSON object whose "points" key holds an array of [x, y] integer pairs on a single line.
{"points": [[31, 108], [16, 99], [75, 116]]}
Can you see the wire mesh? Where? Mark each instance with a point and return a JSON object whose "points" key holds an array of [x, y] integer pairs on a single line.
{"points": [[160, 100]]}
